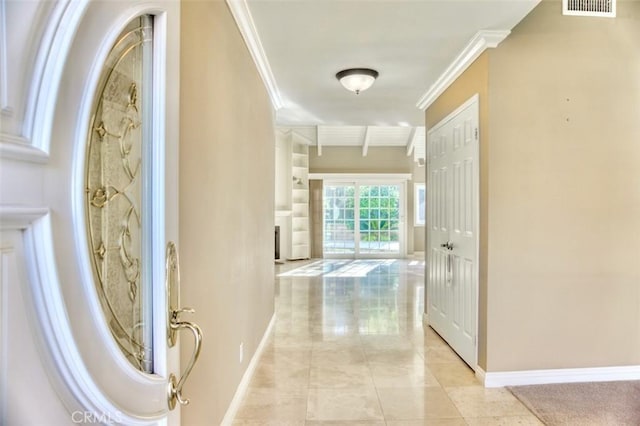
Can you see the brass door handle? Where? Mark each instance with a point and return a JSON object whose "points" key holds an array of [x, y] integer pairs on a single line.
{"points": [[175, 388], [175, 324]]}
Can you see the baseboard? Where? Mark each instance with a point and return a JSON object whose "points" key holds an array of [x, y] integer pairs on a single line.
{"points": [[246, 378], [425, 319], [565, 375], [417, 255], [481, 375]]}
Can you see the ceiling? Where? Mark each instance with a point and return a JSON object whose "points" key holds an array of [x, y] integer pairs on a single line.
{"points": [[410, 42], [410, 138]]}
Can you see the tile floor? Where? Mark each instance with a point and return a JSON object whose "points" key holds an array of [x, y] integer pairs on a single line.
{"points": [[348, 348]]}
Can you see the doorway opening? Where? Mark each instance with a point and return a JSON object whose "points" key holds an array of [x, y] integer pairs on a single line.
{"points": [[363, 219]]}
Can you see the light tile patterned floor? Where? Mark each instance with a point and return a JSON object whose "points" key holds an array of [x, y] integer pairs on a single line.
{"points": [[349, 348]]}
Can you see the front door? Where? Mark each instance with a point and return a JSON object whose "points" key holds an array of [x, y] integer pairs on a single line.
{"points": [[452, 227], [96, 171]]}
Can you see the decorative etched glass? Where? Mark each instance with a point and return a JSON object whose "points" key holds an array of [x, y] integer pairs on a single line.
{"points": [[116, 192]]}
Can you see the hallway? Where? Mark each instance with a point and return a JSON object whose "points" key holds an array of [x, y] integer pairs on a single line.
{"points": [[348, 347]]}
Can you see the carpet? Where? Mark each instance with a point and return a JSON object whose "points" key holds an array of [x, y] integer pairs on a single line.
{"points": [[584, 404]]}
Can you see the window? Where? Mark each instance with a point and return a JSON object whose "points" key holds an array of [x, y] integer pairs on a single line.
{"points": [[419, 218]]}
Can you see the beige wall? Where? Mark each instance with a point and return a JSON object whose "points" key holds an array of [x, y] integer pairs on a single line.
{"points": [[564, 192], [474, 80], [560, 191], [349, 159], [226, 205]]}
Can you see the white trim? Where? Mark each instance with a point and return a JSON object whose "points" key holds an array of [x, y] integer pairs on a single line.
{"points": [[562, 375], [361, 176], [246, 378], [244, 21], [19, 148], [367, 139], [412, 141], [54, 328], [50, 62], [481, 375], [404, 222], [5, 108], [304, 140], [416, 205], [12, 217], [425, 319], [483, 40], [159, 174], [473, 99]]}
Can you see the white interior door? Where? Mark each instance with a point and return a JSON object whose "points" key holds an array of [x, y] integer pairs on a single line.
{"points": [[89, 208], [452, 223]]}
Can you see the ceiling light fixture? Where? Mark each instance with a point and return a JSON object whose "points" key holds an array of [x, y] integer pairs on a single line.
{"points": [[357, 79]]}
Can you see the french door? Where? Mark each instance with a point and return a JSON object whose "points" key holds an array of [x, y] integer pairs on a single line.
{"points": [[363, 219], [452, 229]]}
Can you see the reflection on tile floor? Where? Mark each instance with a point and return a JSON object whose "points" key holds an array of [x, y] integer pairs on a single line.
{"points": [[348, 348]]}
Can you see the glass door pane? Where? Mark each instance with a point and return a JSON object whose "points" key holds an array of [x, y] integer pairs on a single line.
{"points": [[339, 219], [379, 219], [117, 192], [362, 220]]}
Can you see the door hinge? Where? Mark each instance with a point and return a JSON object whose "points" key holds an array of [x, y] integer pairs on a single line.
{"points": [[476, 133]]}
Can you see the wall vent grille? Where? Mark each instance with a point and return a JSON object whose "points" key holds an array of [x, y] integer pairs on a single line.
{"points": [[601, 8]]}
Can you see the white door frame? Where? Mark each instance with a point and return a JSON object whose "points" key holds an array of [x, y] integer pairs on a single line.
{"points": [[471, 102], [87, 370]]}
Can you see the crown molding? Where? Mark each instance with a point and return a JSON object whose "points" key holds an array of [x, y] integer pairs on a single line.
{"points": [[480, 42], [244, 21]]}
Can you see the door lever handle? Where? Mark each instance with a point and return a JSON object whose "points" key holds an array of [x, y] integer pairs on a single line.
{"points": [[175, 324], [448, 245], [175, 386], [176, 313]]}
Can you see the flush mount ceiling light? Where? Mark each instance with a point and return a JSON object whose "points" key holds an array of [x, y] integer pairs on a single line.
{"points": [[357, 79]]}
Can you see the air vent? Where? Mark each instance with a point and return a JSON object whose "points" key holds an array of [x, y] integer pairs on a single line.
{"points": [[601, 8]]}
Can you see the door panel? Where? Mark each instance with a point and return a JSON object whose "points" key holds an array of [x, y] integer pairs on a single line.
{"points": [[452, 290], [339, 220], [379, 219], [23, 373], [87, 370]]}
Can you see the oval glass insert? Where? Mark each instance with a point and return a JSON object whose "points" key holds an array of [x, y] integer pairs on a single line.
{"points": [[116, 193]]}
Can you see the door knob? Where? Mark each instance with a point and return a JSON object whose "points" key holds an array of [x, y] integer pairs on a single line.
{"points": [[448, 245]]}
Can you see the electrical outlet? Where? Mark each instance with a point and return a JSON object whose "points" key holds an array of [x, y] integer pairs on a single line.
{"points": [[241, 352]]}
